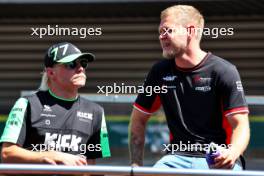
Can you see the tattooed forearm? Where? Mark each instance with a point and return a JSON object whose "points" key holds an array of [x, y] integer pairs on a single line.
{"points": [[137, 137], [136, 146]]}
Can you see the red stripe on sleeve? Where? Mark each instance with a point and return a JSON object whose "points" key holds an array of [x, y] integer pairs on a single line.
{"points": [[155, 106], [236, 110], [226, 125]]}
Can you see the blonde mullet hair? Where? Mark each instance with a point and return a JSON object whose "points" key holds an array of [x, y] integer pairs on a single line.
{"points": [[44, 82], [185, 14]]}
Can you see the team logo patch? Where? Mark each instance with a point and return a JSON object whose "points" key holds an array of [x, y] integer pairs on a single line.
{"points": [[197, 79], [239, 86], [85, 115], [47, 108], [202, 83], [169, 78]]}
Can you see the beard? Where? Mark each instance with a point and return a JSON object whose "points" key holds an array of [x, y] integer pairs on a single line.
{"points": [[174, 50], [169, 54]]}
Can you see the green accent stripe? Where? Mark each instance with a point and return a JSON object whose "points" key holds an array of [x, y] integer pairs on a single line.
{"points": [[15, 121], [60, 98], [104, 139]]}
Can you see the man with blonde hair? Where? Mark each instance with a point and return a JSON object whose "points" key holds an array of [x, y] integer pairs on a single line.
{"points": [[56, 125], [204, 102]]}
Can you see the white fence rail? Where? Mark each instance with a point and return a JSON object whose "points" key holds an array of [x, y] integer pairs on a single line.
{"points": [[116, 170]]}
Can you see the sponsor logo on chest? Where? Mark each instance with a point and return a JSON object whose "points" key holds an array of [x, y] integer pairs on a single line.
{"points": [[169, 78], [47, 108], [202, 84], [169, 81], [56, 140], [47, 112], [85, 115]]}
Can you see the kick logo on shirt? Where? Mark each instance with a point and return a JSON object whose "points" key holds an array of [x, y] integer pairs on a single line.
{"points": [[85, 115], [65, 143], [62, 141]]}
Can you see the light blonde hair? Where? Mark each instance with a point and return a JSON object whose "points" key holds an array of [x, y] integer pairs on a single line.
{"points": [[44, 82], [185, 14]]}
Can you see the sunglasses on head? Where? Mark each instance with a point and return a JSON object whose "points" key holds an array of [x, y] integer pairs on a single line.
{"points": [[73, 64]]}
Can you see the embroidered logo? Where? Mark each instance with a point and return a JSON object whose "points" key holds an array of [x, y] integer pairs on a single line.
{"points": [[47, 108], [169, 78]]}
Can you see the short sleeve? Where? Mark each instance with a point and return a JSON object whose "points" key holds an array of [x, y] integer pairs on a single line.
{"points": [[15, 128], [148, 101], [232, 92], [98, 144]]}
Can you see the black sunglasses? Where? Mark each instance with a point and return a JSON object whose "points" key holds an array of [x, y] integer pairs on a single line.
{"points": [[73, 64]]}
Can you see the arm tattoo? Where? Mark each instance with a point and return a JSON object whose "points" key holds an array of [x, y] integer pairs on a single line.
{"points": [[137, 148], [136, 142]]}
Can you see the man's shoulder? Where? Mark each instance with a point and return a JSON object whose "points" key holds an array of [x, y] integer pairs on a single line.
{"points": [[219, 61], [89, 104], [220, 64], [34, 94]]}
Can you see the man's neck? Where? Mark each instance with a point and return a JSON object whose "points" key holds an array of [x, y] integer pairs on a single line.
{"points": [[64, 93], [190, 59]]}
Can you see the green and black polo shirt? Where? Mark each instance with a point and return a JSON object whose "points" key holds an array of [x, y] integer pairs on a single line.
{"points": [[43, 121]]}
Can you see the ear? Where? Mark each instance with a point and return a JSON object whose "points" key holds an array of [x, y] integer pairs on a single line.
{"points": [[50, 72], [191, 30]]}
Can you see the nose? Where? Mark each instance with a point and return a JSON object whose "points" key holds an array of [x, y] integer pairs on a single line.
{"points": [[163, 36], [79, 67]]}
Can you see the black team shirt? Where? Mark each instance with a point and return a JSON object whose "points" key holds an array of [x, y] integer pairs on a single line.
{"points": [[198, 100]]}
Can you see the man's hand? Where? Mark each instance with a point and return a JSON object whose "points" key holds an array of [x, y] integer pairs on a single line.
{"points": [[226, 160], [55, 158], [134, 165], [12, 153], [239, 141]]}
